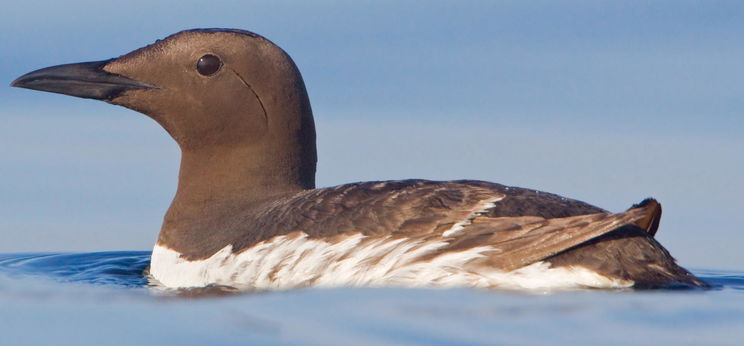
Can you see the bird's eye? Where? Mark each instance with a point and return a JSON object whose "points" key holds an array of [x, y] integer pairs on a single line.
{"points": [[208, 65]]}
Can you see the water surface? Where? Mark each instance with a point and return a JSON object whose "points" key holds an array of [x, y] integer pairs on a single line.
{"points": [[103, 298]]}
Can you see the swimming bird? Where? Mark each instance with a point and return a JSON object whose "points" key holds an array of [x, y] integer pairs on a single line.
{"points": [[247, 214]]}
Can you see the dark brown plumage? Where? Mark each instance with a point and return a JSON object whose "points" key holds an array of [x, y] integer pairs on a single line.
{"points": [[237, 106]]}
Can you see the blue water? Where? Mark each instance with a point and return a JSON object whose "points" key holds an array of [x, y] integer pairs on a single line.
{"points": [[103, 298]]}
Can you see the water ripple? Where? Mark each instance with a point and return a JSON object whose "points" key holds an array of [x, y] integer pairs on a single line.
{"points": [[114, 268], [127, 269], [719, 279]]}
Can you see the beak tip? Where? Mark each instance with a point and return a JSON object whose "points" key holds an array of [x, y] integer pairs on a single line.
{"points": [[22, 81]]}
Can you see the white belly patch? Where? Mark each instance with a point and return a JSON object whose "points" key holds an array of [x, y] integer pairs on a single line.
{"points": [[294, 260]]}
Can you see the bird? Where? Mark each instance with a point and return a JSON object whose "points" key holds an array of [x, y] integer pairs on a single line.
{"points": [[247, 214]]}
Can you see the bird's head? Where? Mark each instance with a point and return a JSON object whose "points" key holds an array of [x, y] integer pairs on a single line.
{"points": [[211, 89]]}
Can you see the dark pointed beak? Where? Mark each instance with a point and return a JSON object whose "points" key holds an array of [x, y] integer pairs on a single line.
{"points": [[87, 80]]}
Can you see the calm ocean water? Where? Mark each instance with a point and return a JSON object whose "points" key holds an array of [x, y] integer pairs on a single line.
{"points": [[103, 298]]}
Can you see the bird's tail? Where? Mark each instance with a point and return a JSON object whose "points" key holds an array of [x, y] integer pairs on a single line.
{"points": [[631, 252], [650, 222]]}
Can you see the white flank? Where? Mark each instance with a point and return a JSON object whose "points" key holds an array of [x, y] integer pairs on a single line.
{"points": [[481, 209], [285, 262]]}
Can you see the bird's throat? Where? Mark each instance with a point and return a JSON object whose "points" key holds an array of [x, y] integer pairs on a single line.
{"points": [[222, 184]]}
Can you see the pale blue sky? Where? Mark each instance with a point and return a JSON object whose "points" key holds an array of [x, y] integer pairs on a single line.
{"points": [[607, 102]]}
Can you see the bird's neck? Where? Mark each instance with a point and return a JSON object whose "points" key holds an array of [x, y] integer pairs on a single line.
{"points": [[224, 183]]}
